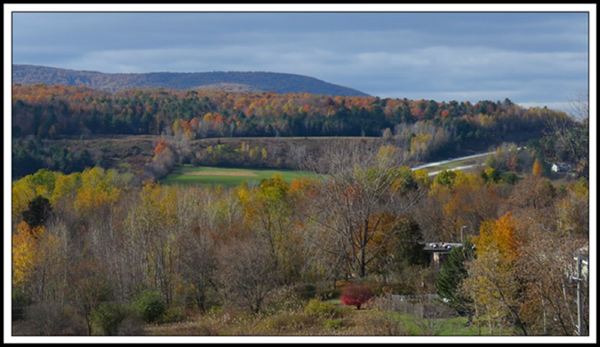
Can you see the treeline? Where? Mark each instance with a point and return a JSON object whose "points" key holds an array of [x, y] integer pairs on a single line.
{"points": [[53, 111], [31, 155], [95, 254]]}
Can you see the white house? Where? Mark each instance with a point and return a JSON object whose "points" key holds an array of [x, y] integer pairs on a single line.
{"points": [[560, 167]]}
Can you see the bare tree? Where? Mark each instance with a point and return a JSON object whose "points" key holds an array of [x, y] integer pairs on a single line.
{"points": [[580, 107], [387, 135], [198, 264], [544, 266], [362, 189], [195, 247], [247, 273]]}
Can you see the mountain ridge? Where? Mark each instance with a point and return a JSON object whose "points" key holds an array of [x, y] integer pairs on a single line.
{"points": [[247, 80]]}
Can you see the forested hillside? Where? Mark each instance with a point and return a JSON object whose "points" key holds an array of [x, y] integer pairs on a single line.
{"points": [[248, 81], [54, 111]]}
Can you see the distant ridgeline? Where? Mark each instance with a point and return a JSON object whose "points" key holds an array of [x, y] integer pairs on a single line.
{"points": [[49, 111], [228, 81]]}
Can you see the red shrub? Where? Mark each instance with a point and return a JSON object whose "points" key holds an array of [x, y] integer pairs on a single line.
{"points": [[356, 295]]}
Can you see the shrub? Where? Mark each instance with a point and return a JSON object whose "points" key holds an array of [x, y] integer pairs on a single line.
{"points": [[333, 324], [283, 299], [285, 323], [107, 318], [509, 177], [131, 326], [150, 306], [328, 294], [19, 302], [316, 307], [356, 295], [379, 323], [173, 314], [306, 291], [50, 319]]}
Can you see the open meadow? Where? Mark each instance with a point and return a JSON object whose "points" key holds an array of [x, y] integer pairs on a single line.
{"points": [[206, 175]]}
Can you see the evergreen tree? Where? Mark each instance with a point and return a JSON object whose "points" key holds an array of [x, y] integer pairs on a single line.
{"points": [[409, 249], [38, 212], [451, 274]]}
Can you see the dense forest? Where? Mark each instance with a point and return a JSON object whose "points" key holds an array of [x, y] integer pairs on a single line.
{"points": [[51, 111], [427, 129]]}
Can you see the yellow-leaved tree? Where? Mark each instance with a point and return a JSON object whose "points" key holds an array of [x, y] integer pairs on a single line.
{"points": [[152, 223], [65, 187], [268, 211], [24, 251], [492, 283], [42, 183], [98, 188]]}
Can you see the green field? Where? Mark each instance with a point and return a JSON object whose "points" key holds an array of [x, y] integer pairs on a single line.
{"points": [[207, 175]]}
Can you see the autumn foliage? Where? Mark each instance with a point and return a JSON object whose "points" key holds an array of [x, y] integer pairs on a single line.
{"points": [[498, 235], [46, 111], [24, 247], [537, 168], [356, 295], [110, 238], [161, 145]]}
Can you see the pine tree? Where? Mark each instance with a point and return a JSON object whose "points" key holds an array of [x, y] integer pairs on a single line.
{"points": [[38, 212], [451, 274]]}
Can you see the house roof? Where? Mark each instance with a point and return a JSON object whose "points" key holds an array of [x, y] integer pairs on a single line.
{"points": [[444, 247]]}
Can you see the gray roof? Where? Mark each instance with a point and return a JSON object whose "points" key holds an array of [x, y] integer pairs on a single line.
{"points": [[441, 246]]}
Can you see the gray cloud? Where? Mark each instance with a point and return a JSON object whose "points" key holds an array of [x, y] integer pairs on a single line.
{"points": [[530, 58]]}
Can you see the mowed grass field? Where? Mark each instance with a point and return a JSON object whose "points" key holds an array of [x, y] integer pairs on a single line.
{"points": [[230, 177]]}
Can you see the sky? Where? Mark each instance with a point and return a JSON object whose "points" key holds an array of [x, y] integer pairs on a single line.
{"points": [[530, 58]]}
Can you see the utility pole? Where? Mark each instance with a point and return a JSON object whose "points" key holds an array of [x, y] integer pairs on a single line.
{"points": [[462, 234], [579, 279], [580, 327]]}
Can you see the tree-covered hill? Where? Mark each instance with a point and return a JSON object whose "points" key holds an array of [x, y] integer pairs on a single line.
{"points": [[424, 129], [54, 111], [248, 81]]}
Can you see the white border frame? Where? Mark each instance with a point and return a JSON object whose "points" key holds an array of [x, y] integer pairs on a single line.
{"points": [[7, 12]]}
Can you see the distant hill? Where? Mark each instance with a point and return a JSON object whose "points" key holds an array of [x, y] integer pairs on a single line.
{"points": [[228, 81]]}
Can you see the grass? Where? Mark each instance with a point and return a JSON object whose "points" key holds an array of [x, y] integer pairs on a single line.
{"points": [[348, 322], [457, 326], [408, 324], [208, 175], [454, 326]]}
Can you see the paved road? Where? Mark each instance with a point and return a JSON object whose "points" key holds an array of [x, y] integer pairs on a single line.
{"points": [[438, 163], [463, 167]]}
